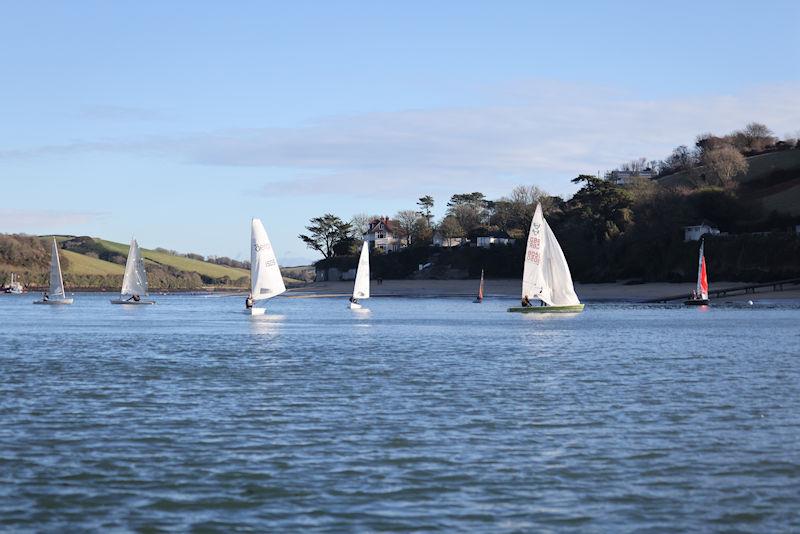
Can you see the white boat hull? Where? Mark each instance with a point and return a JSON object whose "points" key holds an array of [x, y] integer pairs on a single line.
{"points": [[54, 302], [354, 306], [256, 311], [132, 302]]}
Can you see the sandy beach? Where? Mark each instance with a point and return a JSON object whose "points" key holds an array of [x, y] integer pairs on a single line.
{"points": [[510, 288]]}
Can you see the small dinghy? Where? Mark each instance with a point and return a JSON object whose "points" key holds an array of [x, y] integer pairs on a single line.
{"points": [[700, 295], [15, 287], [266, 280], [361, 286], [134, 282], [546, 275], [479, 298], [56, 295]]}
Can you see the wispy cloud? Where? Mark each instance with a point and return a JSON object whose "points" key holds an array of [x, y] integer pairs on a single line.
{"points": [[535, 132], [16, 219]]}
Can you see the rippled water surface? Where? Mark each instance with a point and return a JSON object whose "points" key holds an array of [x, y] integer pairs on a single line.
{"points": [[419, 414]]}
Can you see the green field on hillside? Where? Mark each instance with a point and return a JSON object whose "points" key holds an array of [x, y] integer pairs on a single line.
{"points": [[179, 262], [81, 264]]}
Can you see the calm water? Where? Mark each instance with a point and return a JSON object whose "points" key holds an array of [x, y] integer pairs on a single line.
{"points": [[421, 414]]}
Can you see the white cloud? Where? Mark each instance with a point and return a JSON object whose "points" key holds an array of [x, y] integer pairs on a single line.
{"points": [[535, 132], [19, 219]]}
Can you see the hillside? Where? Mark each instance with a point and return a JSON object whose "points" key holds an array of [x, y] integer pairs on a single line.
{"points": [[772, 179], [94, 263]]}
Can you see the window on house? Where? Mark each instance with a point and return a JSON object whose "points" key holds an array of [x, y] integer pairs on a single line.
{"points": [[380, 235]]}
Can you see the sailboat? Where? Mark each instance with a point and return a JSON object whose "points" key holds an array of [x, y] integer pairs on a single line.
{"points": [[546, 274], [134, 282], [266, 280], [700, 296], [361, 287], [479, 298], [56, 294], [15, 287]]}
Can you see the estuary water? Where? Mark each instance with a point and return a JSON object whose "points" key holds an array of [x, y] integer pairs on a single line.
{"points": [[420, 414]]}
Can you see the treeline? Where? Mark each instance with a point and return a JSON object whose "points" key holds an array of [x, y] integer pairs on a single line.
{"points": [[609, 229]]}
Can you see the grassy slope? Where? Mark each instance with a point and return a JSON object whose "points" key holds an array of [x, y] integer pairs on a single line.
{"points": [[187, 264], [785, 199], [80, 264], [179, 262]]}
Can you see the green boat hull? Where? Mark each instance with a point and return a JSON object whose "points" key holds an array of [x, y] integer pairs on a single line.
{"points": [[576, 308]]}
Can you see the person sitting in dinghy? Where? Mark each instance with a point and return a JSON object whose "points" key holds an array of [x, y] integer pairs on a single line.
{"points": [[134, 298], [353, 300], [45, 296], [526, 302], [248, 302]]}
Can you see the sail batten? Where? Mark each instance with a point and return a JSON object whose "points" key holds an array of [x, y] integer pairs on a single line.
{"points": [[361, 286], [546, 274], [266, 280], [134, 282]]}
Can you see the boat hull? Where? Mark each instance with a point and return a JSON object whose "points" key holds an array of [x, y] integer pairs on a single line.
{"points": [[354, 306], [256, 311], [477, 301], [576, 308], [54, 302], [696, 302], [132, 302]]}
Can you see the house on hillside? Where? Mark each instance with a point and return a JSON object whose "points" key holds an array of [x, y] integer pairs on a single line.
{"points": [[626, 177], [382, 234], [447, 242], [488, 239], [694, 233]]}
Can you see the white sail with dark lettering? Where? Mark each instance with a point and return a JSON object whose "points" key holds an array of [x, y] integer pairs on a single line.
{"points": [[56, 280], [361, 287], [134, 282], [265, 274], [546, 274]]}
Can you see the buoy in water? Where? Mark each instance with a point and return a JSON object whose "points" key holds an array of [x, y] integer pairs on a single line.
{"points": [[749, 302]]}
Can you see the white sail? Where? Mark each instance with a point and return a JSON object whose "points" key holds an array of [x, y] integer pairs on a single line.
{"points": [[546, 274], [135, 280], [361, 287], [265, 275], [56, 280]]}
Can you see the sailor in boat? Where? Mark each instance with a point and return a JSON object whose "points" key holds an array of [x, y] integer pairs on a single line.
{"points": [[135, 298], [353, 300], [248, 302], [45, 296], [526, 302]]}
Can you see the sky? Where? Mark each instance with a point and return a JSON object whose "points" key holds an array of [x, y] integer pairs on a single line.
{"points": [[178, 121]]}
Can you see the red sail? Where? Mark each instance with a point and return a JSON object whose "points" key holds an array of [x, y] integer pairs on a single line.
{"points": [[703, 278]]}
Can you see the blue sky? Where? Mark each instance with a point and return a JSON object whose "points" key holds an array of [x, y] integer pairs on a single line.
{"points": [[178, 121]]}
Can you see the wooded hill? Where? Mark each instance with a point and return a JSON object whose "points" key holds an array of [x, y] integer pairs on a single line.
{"points": [[93, 263]]}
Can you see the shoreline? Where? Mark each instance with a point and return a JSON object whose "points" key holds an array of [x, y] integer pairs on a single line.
{"points": [[494, 289]]}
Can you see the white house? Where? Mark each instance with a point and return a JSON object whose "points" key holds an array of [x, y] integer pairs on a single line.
{"points": [[440, 241], [493, 238], [381, 234], [694, 233]]}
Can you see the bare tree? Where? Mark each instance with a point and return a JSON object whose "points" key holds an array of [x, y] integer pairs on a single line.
{"points": [[450, 228], [359, 224], [725, 163], [406, 221]]}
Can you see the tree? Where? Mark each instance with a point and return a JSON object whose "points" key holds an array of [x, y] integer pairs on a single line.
{"points": [[359, 224], [758, 136], [470, 209], [600, 208], [450, 228], [406, 221], [325, 232], [725, 163], [426, 205]]}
